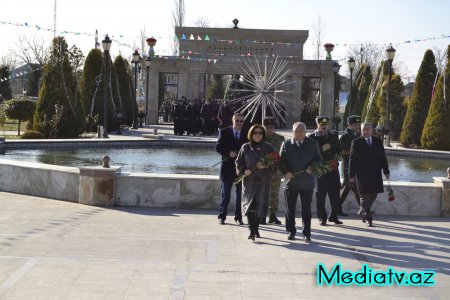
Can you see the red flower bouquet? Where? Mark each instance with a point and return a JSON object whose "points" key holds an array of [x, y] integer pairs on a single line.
{"points": [[271, 159], [390, 191]]}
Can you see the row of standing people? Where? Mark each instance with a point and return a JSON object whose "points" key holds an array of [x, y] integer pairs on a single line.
{"points": [[207, 116], [242, 151], [201, 116]]}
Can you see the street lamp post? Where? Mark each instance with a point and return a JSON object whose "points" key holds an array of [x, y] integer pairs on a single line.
{"points": [[136, 60], [351, 66], [390, 54], [106, 45], [148, 62], [151, 42], [336, 67]]}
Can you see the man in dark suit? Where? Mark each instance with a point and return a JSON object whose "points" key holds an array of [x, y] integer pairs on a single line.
{"points": [[367, 160], [298, 157], [228, 144]]}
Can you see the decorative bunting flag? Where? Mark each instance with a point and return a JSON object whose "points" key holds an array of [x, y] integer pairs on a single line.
{"points": [[183, 37]]}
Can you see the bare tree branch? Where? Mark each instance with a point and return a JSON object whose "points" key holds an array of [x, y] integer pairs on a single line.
{"points": [[366, 53], [177, 21], [31, 51], [440, 57], [201, 22], [318, 33]]}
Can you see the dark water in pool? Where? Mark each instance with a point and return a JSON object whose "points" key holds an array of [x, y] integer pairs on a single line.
{"points": [[198, 161]]}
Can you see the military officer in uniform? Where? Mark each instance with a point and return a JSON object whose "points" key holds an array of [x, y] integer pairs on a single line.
{"points": [[275, 140], [351, 132], [328, 183]]}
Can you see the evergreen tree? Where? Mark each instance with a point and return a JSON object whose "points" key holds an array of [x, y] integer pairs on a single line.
{"points": [[33, 79], [351, 102], [397, 106], [373, 114], [233, 85], [5, 89], [360, 91], [59, 114], [124, 80], [363, 89], [420, 101], [437, 124], [217, 88]]}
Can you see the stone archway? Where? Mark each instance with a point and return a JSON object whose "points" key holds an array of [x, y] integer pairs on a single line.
{"points": [[224, 52]]}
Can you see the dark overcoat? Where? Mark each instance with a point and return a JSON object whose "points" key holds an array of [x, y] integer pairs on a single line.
{"points": [[366, 164], [225, 144], [255, 187], [295, 159]]}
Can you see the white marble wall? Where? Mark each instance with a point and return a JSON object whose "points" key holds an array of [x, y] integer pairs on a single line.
{"points": [[192, 191], [199, 191], [40, 180]]}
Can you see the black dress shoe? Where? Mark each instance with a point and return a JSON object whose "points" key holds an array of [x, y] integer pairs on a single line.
{"points": [[307, 239], [291, 237], [251, 237], [273, 219], [257, 233], [221, 221], [238, 220], [335, 221], [323, 223]]}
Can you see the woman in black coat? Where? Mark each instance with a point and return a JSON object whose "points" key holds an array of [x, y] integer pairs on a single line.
{"points": [[256, 184]]}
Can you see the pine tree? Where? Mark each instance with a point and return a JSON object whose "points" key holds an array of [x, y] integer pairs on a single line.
{"points": [[397, 106], [124, 79], [233, 85], [5, 89], [437, 124], [375, 113], [91, 87], [217, 88], [420, 101], [59, 114], [360, 91], [353, 94], [369, 109]]}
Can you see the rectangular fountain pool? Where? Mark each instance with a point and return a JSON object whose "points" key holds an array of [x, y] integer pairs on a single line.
{"points": [[197, 161]]}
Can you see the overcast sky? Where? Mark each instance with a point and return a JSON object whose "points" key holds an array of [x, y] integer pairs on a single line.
{"points": [[347, 22]]}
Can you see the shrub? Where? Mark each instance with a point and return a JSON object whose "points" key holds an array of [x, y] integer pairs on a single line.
{"points": [[32, 134]]}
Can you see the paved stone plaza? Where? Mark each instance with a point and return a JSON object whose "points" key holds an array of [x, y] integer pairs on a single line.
{"points": [[52, 249]]}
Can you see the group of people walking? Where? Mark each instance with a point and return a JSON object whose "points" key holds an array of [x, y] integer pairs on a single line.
{"points": [[256, 160]]}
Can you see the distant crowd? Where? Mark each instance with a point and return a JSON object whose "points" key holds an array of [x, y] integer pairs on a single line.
{"points": [[204, 116]]}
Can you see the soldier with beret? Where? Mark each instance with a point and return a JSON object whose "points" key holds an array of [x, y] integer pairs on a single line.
{"points": [[351, 132], [328, 183], [275, 140]]}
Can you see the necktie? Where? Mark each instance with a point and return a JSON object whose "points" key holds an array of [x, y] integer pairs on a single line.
{"points": [[236, 135], [369, 141]]}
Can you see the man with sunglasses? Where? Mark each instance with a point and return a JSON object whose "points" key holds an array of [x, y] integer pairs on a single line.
{"points": [[228, 145]]}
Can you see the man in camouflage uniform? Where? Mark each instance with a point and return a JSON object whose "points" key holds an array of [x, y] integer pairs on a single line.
{"points": [[275, 140], [352, 132], [328, 183]]}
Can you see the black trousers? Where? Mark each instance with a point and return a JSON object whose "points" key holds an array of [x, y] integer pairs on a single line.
{"points": [[328, 184], [367, 201], [291, 196]]}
